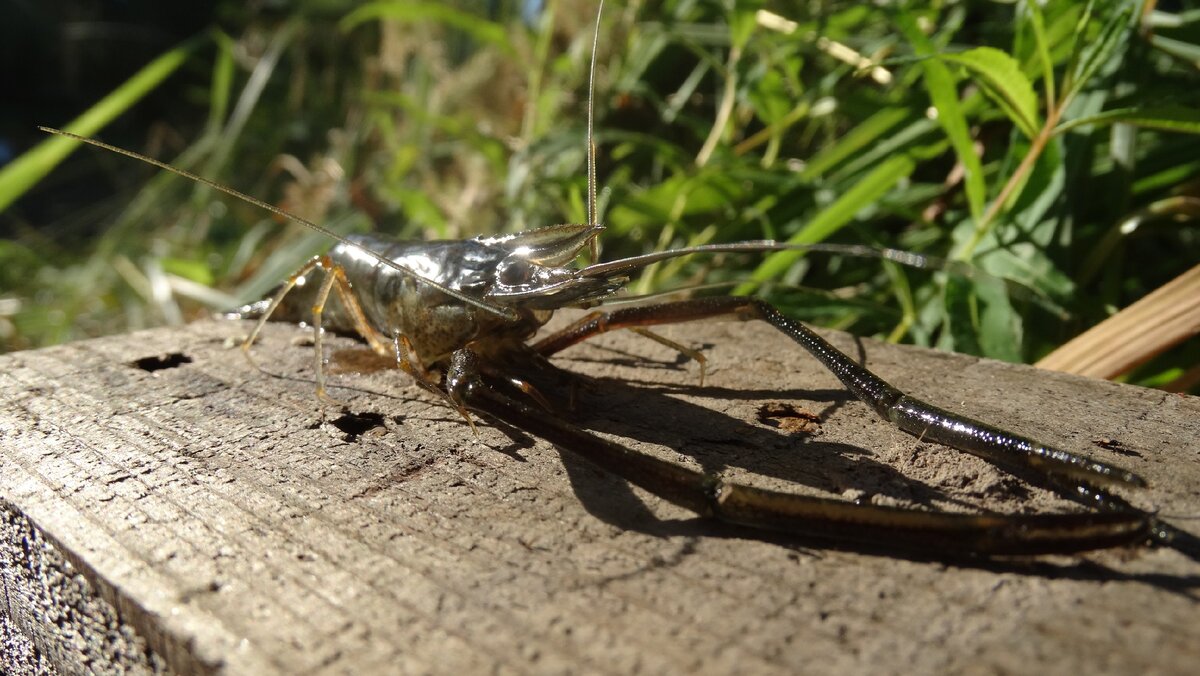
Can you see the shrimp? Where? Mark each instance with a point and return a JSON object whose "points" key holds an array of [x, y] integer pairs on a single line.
{"points": [[459, 316]]}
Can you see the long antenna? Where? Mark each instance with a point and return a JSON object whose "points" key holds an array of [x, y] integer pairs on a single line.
{"points": [[507, 313], [908, 258], [592, 216]]}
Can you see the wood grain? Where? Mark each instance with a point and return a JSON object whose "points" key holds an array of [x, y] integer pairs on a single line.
{"points": [[214, 518], [1164, 318]]}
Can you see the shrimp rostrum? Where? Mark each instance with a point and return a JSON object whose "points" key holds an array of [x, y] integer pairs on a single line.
{"points": [[459, 317]]}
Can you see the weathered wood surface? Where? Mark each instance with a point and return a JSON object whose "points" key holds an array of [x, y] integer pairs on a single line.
{"points": [[194, 512]]}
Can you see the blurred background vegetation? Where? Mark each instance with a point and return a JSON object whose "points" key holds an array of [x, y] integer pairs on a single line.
{"points": [[1049, 154]]}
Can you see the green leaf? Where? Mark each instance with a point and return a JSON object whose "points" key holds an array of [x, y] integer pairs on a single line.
{"points": [[872, 187], [1105, 49], [678, 196], [1164, 118], [411, 11], [1015, 248], [943, 93], [981, 320], [1037, 22], [769, 96], [1000, 77], [960, 321], [1030, 208], [23, 172], [1000, 330], [742, 23]]}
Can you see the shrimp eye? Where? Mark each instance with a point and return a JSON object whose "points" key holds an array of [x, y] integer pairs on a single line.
{"points": [[515, 273]]}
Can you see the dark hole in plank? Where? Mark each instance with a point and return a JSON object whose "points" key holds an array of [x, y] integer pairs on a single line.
{"points": [[357, 424], [162, 361]]}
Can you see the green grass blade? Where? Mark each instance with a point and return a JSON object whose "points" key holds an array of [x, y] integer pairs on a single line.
{"points": [[1164, 118], [1097, 53], [943, 93], [1038, 24], [1187, 51], [222, 81], [873, 186], [856, 139], [25, 171], [903, 140]]}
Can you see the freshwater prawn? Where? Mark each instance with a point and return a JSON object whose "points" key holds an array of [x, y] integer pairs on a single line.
{"points": [[458, 316]]}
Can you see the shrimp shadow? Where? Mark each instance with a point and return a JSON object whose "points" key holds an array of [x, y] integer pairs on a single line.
{"points": [[637, 410], [720, 442], [610, 499], [717, 441]]}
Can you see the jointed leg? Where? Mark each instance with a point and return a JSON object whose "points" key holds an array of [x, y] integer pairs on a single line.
{"points": [[709, 495], [274, 304], [694, 355], [908, 413], [318, 309], [335, 277], [423, 378]]}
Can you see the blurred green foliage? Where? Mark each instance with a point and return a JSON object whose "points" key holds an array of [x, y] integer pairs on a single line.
{"points": [[1052, 147]]}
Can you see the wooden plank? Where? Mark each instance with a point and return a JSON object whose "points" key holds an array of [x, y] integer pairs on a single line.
{"points": [[218, 519]]}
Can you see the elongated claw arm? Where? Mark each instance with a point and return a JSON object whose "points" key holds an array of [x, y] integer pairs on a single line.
{"points": [[908, 413], [928, 533]]}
